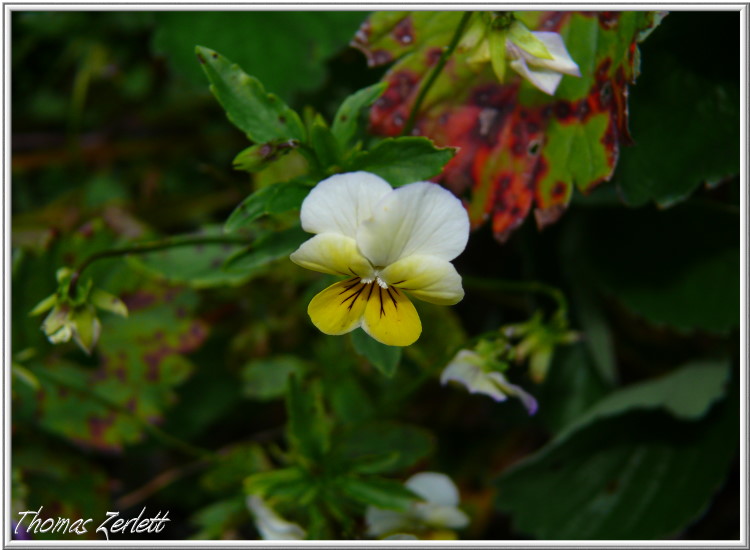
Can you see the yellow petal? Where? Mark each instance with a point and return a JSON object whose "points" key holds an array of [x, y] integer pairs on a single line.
{"points": [[390, 317], [332, 253], [426, 278], [338, 309]]}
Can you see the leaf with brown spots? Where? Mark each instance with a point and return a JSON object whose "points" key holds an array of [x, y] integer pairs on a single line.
{"points": [[141, 360], [518, 147]]}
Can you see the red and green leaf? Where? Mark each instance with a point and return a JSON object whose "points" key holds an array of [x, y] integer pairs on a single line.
{"points": [[518, 147]]}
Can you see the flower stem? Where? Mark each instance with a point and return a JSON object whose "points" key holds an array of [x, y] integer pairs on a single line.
{"points": [[501, 285], [172, 242], [447, 52]]}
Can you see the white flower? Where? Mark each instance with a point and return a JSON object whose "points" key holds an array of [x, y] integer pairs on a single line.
{"points": [[270, 525], [438, 511], [544, 72], [385, 242], [467, 369]]}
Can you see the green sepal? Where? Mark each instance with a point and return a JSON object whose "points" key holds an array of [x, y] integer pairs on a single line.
{"points": [[108, 302], [522, 37], [497, 53], [45, 305], [86, 328]]}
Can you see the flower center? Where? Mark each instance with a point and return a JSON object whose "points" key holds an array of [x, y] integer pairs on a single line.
{"points": [[375, 277]]}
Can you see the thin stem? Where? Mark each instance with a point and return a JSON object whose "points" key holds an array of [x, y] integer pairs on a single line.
{"points": [[157, 432], [153, 246], [520, 286], [447, 52]]}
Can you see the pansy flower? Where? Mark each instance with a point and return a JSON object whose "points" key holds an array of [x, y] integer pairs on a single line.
{"points": [[469, 368], [386, 243], [437, 511]]}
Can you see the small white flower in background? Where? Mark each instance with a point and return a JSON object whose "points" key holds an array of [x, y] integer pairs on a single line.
{"points": [[270, 525], [386, 242], [539, 57], [439, 510], [543, 67], [467, 368]]}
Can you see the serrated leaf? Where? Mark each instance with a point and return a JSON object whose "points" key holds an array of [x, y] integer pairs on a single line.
{"points": [[263, 117], [274, 199], [674, 153], [403, 160], [351, 120], [384, 358], [517, 146]]}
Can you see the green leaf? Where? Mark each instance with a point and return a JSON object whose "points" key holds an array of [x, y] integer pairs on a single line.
{"points": [[308, 430], [665, 265], [263, 117], [270, 248], [686, 133], [266, 379], [234, 466], [274, 199], [686, 394], [571, 387], [141, 360], [324, 143], [351, 118], [403, 160], [288, 62], [379, 492], [643, 475], [290, 483], [366, 444], [384, 358], [257, 157], [218, 518], [198, 265]]}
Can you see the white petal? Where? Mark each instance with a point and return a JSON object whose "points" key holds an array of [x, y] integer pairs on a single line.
{"points": [[270, 525], [332, 253], [434, 487], [380, 522], [340, 203], [427, 278], [562, 62], [442, 516], [419, 218], [465, 369], [516, 391], [544, 79]]}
